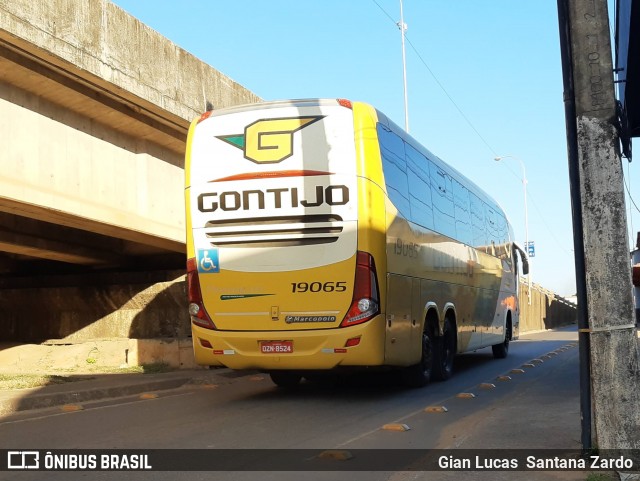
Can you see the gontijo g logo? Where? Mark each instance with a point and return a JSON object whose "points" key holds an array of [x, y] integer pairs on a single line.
{"points": [[268, 141]]}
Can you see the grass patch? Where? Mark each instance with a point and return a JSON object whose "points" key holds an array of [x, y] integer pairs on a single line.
{"points": [[600, 477], [156, 367], [26, 381]]}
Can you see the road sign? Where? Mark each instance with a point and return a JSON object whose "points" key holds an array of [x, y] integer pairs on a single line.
{"points": [[531, 248]]}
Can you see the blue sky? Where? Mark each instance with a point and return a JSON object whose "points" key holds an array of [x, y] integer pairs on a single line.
{"points": [[486, 81]]}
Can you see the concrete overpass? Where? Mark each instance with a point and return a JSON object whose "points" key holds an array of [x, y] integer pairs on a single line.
{"points": [[94, 112]]}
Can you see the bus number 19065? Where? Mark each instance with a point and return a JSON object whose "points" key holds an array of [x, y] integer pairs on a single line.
{"points": [[331, 286]]}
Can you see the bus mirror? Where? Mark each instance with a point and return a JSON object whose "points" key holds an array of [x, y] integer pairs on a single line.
{"points": [[523, 257], [525, 265]]}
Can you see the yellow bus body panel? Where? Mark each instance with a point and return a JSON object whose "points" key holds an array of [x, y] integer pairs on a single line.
{"points": [[266, 301], [187, 199], [312, 349]]}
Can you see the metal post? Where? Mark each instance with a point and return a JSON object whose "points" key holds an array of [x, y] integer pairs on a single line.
{"points": [[403, 29]]}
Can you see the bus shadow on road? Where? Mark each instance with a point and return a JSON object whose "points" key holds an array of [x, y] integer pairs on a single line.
{"points": [[365, 384]]}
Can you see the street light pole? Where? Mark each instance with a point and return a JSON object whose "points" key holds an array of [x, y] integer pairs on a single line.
{"points": [[526, 214], [403, 28]]}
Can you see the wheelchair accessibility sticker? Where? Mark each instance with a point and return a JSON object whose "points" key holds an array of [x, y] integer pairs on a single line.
{"points": [[208, 261]]}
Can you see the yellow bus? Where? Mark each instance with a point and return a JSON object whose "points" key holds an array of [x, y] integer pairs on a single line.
{"points": [[322, 236]]}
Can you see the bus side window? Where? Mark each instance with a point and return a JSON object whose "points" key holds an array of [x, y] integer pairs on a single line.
{"points": [[394, 168], [419, 188], [503, 230], [492, 225], [462, 213], [442, 196], [478, 226]]}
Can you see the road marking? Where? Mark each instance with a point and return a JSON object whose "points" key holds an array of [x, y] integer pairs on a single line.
{"points": [[396, 427], [465, 395], [436, 409], [337, 454], [408, 416], [487, 385]]}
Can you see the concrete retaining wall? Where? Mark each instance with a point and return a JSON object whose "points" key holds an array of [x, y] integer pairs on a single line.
{"points": [[546, 310], [81, 313]]}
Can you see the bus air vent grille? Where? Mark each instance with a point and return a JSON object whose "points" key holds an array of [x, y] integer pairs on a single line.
{"points": [[275, 231]]}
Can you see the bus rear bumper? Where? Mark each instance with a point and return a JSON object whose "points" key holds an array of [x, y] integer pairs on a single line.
{"points": [[319, 349]]}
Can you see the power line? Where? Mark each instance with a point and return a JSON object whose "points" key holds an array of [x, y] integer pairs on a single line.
{"points": [[544, 222], [466, 119], [452, 101], [473, 127], [628, 192]]}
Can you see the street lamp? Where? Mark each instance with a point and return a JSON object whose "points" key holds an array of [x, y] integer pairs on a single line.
{"points": [[526, 214]]}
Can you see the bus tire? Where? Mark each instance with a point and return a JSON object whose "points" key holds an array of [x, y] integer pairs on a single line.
{"points": [[445, 352], [420, 374], [501, 350], [285, 379]]}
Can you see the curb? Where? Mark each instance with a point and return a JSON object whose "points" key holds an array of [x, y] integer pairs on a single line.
{"points": [[34, 400]]}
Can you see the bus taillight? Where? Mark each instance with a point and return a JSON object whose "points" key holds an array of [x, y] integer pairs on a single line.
{"points": [[365, 304], [197, 311]]}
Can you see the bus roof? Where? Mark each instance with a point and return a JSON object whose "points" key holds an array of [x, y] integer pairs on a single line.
{"points": [[273, 104]]}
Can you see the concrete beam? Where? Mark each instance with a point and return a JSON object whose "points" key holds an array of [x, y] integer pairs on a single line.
{"points": [[33, 246], [94, 110], [116, 52]]}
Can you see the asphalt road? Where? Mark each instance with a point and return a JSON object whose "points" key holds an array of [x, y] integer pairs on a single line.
{"points": [[246, 411]]}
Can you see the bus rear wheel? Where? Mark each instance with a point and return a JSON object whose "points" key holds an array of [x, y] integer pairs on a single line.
{"points": [[501, 350], [446, 350], [420, 374], [285, 379]]}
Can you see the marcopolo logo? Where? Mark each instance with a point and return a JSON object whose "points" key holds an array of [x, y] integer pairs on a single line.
{"points": [[269, 141]]}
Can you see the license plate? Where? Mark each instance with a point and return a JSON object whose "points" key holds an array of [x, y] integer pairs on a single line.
{"points": [[276, 347]]}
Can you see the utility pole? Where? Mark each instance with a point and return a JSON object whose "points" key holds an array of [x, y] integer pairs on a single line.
{"points": [[614, 351], [403, 29]]}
